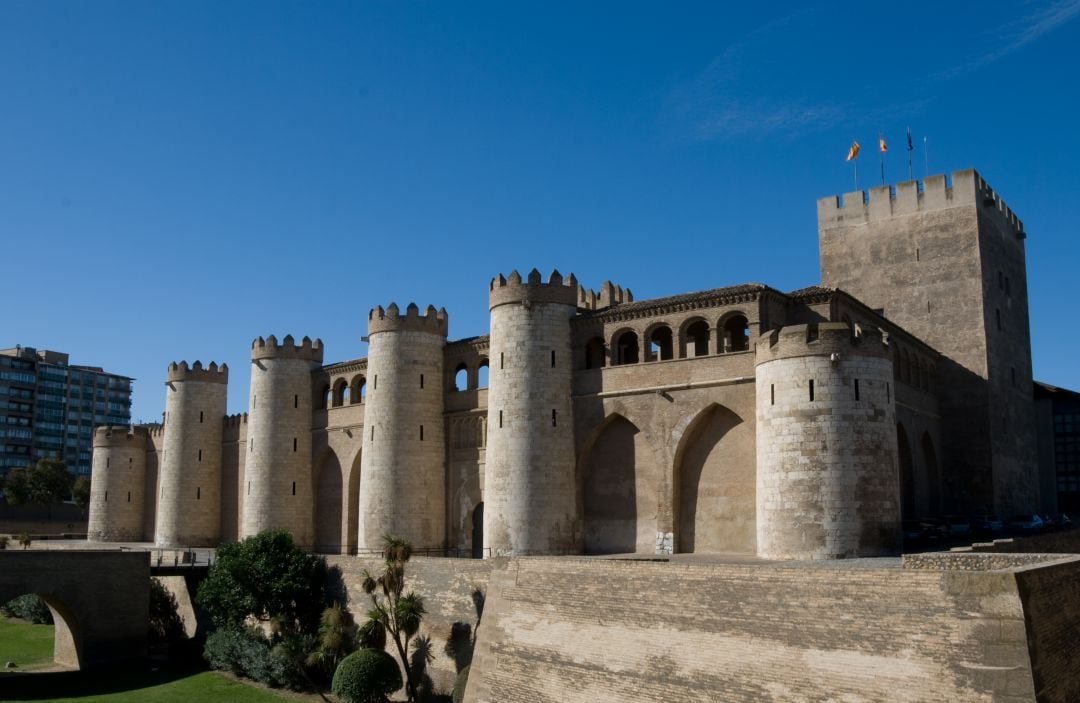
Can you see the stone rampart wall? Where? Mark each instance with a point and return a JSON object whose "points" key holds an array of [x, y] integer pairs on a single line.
{"points": [[579, 630]]}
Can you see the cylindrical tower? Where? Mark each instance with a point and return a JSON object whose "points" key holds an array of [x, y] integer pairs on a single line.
{"points": [[529, 489], [277, 468], [827, 482], [117, 485], [402, 467], [189, 481]]}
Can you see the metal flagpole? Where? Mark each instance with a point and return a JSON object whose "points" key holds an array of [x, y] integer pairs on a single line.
{"points": [[909, 148], [926, 158]]}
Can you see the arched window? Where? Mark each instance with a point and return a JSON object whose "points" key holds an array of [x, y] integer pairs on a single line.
{"points": [[626, 348], [357, 389], [696, 339], [736, 334], [341, 389], [659, 344], [324, 397], [482, 374], [594, 353], [461, 377]]}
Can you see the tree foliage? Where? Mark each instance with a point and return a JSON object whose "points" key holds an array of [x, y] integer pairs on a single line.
{"points": [[80, 491], [367, 676], [337, 639], [165, 624], [395, 614], [268, 578], [44, 483]]}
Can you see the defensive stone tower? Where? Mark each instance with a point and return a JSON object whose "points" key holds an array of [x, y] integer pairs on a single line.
{"points": [[117, 491], [827, 478], [277, 467], [529, 488], [946, 262], [189, 494], [402, 467]]}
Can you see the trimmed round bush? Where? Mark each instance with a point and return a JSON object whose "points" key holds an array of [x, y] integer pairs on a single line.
{"points": [[366, 676], [29, 607]]}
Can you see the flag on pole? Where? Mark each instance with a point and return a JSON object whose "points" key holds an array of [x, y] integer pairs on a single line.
{"points": [[881, 144], [910, 147], [853, 152]]}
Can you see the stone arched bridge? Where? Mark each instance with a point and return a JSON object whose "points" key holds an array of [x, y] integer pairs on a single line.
{"points": [[100, 600]]}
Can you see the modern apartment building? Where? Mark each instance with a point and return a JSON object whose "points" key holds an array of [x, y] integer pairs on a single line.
{"points": [[49, 407]]}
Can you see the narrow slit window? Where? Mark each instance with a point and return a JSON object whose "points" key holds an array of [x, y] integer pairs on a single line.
{"points": [[375, 383], [502, 360], [249, 488], [294, 444], [772, 394], [373, 432], [200, 416], [296, 401], [927, 306], [129, 496], [198, 493], [294, 487], [856, 389], [254, 401], [200, 455], [811, 389], [252, 444], [421, 433], [500, 418], [421, 380], [107, 462], [130, 461], [917, 253], [552, 358], [106, 496], [554, 418]]}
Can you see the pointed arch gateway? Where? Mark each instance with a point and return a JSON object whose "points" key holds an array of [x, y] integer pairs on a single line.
{"points": [[619, 493], [337, 499], [714, 484]]}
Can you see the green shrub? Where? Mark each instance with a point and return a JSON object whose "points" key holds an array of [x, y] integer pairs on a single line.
{"points": [[459, 685], [246, 653], [29, 607], [367, 676]]}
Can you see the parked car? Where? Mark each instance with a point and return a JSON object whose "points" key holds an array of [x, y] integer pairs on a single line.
{"points": [[1026, 522], [987, 525]]}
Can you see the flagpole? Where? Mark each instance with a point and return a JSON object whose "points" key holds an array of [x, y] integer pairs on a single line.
{"points": [[855, 163], [909, 148], [882, 167], [926, 158]]}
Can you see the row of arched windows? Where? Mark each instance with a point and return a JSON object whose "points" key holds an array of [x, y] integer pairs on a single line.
{"points": [[913, 370], [659, 343], [344, 392], [469, 378]]}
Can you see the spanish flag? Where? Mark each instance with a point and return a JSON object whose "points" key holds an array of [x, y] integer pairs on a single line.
{"points": [[881, 144], [853, 151]]}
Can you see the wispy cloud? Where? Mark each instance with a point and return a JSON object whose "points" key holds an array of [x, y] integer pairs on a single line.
{"points": [[709, 105], [1018, 34]]}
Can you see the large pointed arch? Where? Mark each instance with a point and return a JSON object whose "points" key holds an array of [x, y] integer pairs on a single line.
{"points": [[329, 497], [618, 488], [714, 483]]}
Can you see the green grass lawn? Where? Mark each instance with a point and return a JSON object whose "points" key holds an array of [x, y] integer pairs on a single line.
{"points": [[27, 645], [32, 646]]}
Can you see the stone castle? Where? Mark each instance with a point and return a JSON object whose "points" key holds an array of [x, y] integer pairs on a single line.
{"points": [[799, 425]]}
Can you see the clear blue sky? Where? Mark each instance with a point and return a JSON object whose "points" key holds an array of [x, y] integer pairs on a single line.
{"points": [[177, 178]]}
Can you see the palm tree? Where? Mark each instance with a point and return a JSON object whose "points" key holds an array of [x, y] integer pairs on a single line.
{"points": [[394, 613]]}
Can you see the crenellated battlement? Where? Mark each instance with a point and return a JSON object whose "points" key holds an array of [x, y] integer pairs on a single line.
{"points": [[966, 188], [120, 435], [391, 320], [512, 289], [819, 339], [237, 420], [608, 296], [270, 348], [211, 374]]}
